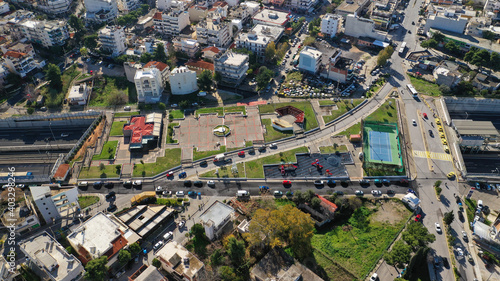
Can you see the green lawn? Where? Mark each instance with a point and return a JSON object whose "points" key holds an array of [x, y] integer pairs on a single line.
{"points": [[108, 151], [170, 132], [225, 172], [55, 98], [424, 87], [109, 91], [353, 130], [171, 159], [235, 109], [273, 134], [343, 107], [126, 114], [197, 155], [310, 115], [85, 201], [358, 250], [254, 168], [218, 110], [386, 113], [331, 149], [94, 172], [177, 113], [117, 128]]}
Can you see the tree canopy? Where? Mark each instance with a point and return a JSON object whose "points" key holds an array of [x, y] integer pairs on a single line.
{"points": [[417, 235], [90, 41], [96, 269], [431, 43], [236, 251], [159, 53], [53, 75], [270, 51], [205, 80], [124, 257], [399, 255], [384, 55], [448, 217]]}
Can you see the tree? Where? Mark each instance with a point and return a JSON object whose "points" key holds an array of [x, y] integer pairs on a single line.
{"points": [[452, 47], [205, 80], [236, 251], [102, 167], [117, 98], [399, 255], [270, 51], [217, 77], [198, 231], [417, 235], [263, 77], [146, 57], [90, 41], [309, 195], [315, 203], [76, 23], [438, 36], [495, 61], [84, 51], [448, 217], [384, 55], [444, 89], [309, 41], [217, 258], [53, 75], [285, 226], [134, 248], [156, 263], [489, 35], [227, 274], [159, 53], [96, 269], [124, 257], [431, 43]]}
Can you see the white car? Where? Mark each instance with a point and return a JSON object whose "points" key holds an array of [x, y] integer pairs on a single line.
{"points": [[63, 135], [414, 122], [374, 277], [464, 236], [211, 183], [179, 193], [438, 227], [158, 189], [359, 193], [376, 192], [83, 183], [158, 245], [460, 252], [174, 105], [182, 223], [167, 193], [137, 183], [168, 236]]}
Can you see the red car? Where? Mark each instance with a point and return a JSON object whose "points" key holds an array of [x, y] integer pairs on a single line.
{"points": [[241, 153], [287, 182], [170, 174], [91, 72], [425, 116], [418, 217]]}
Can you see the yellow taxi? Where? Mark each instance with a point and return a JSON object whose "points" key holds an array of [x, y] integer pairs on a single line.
{"points": [[451, 175]]}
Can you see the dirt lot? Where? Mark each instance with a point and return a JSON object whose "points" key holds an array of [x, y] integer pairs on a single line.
{"points": [[389, 212]]}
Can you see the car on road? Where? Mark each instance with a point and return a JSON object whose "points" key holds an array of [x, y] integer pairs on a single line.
{"points": [[438, 227], [63, 135], [111, 194], [182, 175], [211, 183], [431, 133], [169, 235], [170, 174], [460, 252], [446, 263], [198, 183], [111, 208], [374, 277], [425, 115], [83, 184], [331, 183], [376, 192], [158, 245], [414, 122], [411, 191], [339, 192], [287, 183], [274, 145], [179, 193], [167, 193], [319, 183], [418, 217], [159, 189], [187, 183], [241, 153], [364, 182], [359, 193], [127, 108], [464, 236], [137, 183], [127, 183], [109, 184], [278, 193], [451, 175], [97, 184], [181, 224], [21, 186], [191, 194], [391, 192]]}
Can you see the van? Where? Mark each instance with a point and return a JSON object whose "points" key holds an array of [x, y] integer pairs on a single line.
{"points": [[242, 193], [168, 236], [480, 204]]}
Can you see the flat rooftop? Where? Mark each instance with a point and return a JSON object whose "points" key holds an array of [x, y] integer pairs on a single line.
{"points": [[143, 219], [470, 40], [478, 128], [272, 17], [233, 59], [183, 261], [274, 32], [217, 213]]}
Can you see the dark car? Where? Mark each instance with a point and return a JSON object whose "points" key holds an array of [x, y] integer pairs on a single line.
{"points": [[318, 183], [390, 191], [431, 133], [403, 182], [112, 208], [109, 185], [339, 192], [198, 183], [97, 184], [187, 183], [262, 148], [461, 216], [446, 263], [127, 184], [111, 194], [331, 183]]}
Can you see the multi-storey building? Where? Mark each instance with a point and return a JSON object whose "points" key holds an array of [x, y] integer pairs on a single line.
{"points": [[448, 21], [125, 6], [188, 46], [19, 63], [361, 27], [52, 206], [101, 10], [45, 33], [271, 17], [330, 24], [171, 22], [149, 85], [231, 66], [197, 13], [183, 81], [112, 39], [273, 32], [55, 6], [4, 7], [214, 31], [164, 5], [300, 5], [253, 42], [492, 9], [310, 60]]}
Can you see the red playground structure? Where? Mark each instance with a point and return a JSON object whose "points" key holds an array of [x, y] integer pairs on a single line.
{"points": [[328, 173], [316, 163], [287, 168]]}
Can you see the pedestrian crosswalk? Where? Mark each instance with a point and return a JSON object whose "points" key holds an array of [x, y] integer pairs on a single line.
{"points": [[432, 155]]}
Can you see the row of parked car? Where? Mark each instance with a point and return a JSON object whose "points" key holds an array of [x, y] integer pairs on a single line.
{"points": [[110, 184], [487, 186]]}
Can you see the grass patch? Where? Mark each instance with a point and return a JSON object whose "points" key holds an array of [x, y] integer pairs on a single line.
{"points": [[170, 132], [295, 76], [117, 128], [425, 87], [254, 168], [353, 130], [386, 113], [225, 172], [343, 107], [218, 110], [171, 159], [280, 202], [94, 172], [271, 133], [332, 149], [112, 91], [190, 98], [177, 114], [310, 121], [126, 114], [471, 209], [170, 202], [85, 201], [235, 109], [54, 98], [107, 152], [197, 155]]}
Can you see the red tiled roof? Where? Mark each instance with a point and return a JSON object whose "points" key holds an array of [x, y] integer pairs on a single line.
{"points": [[157, 16], [213, 9], [62, 171], [139, 128], [220, 4], [199, 7], [14, 54], [201, 64], [290, 110], [118, 244], [211, 48], [159, 65], [327, 204]]}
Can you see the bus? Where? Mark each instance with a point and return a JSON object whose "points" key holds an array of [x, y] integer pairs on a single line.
{"points": [[412, 90], [402, 48]]}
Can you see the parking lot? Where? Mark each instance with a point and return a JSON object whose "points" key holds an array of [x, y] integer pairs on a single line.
{"points": [[103, 68], [489, 197], [334, 164]]}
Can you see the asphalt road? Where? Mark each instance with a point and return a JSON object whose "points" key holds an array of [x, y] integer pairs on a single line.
{"points": [[41, 136]]}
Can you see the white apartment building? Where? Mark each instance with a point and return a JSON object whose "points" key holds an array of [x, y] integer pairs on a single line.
{"points": [[448, 21], [171, 22], [19, 63], [55, 6], [188, 46], [112, 39], [271, 17], [125, 6], [274, 32], [214, 31], [101, 10], [183, 81], [197, 13], [215, 218], [50, 260], [164, 5], [302, 5], [45, 33], [149, 85], [492, 9], [232, 67], [4, 7], [361, 27], [53, 207], [310, 60], [330, 24], [253, 42]]}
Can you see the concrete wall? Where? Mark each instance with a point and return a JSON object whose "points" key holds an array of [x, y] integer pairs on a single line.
{"points": [[472, 104]]}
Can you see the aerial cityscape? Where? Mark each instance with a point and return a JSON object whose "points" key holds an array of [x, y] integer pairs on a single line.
{"points": [[270, 140]]}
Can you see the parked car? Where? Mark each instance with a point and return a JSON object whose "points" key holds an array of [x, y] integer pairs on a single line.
{"points": [[438, 227], [181, 224], [187, 183], [287, 182], [376, 192], [241, 153], [127, 183], [278, 193], [198, 183], [374, 277], [464, 236], [109, 184], [83, 184], [169, 235], [331, 183], [159, 189], [137, 183], [414, 122], [170, 174], [112, 208], [111, 194], [318, 183], [359, 193], [390, 192], [179, 193], [211, 183], [97, 184], [446, 263], [418, 217], [158, 245], [167, 193], [431, 133]]}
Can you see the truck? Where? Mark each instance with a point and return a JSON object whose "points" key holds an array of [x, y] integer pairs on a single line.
{"points": [[219, 157]]}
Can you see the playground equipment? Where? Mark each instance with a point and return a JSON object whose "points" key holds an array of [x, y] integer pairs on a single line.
{"points": [[317, 164], [287, 168]]}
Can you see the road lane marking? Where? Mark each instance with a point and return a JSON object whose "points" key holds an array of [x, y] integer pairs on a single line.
{"points": [[432, 155]]}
